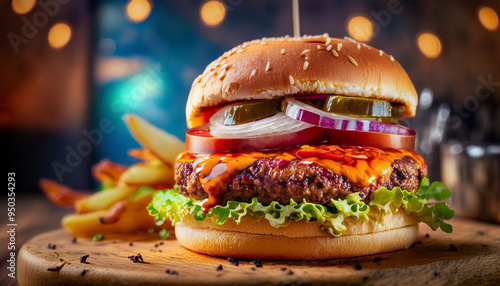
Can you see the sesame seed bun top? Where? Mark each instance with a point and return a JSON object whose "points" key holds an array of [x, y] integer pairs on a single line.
{"points": [[274, 67]]}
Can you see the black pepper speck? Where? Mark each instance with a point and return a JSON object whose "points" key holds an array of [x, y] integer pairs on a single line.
{"points": [[257, 262], [234, 261], [83, 259], [452, 247], [377, 259]]}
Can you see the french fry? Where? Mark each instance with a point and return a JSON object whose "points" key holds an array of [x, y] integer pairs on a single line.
{"points": [[163, 145], [114, 213], [61, 195], [104, 199], [148, 174], [107, 172], [142, 154], [134, 219]]}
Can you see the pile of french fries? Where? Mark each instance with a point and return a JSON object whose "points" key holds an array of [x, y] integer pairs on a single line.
{"points": [[120, 206]]}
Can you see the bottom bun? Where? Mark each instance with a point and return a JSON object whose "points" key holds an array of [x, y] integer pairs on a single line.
{"points": [[299, 241]]}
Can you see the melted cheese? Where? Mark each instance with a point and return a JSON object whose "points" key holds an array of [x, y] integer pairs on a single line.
{"points": [[363, 166]]}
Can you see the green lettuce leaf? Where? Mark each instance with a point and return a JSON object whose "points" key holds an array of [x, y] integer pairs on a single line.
{"points": [[390, 201], [169, 204]]}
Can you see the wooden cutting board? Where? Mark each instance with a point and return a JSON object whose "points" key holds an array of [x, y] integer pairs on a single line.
{"points": [[476, 260]]}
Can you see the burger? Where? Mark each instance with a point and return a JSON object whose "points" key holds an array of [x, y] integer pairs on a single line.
{"points": [[295, 152]]}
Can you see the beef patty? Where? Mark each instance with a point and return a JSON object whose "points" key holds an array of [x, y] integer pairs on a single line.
{"points": [[269, 180]]}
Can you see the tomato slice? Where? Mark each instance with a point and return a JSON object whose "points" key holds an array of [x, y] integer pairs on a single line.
{"points": [[199, 140], [375, 139]]}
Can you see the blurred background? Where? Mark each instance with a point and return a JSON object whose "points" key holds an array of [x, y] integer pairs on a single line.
{"points": [[69, 70]]}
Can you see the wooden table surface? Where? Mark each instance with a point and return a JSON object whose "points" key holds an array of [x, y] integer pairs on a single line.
{"points": [[431, 261]]}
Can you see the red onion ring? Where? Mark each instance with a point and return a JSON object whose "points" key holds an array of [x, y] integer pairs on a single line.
{"points": [[309, 114]]}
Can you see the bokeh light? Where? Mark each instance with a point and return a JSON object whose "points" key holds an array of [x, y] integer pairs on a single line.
{"points": [[138, 10], [360, 28], [429, 44], [22, 6], [212, 13], [59, 35], [488, 18]]}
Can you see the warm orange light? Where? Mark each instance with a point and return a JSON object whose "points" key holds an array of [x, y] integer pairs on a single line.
{"points": [[22, 6], [59, 35], [212, 13], [360, 28], [138, 10], [488, 18], [429, 44]]}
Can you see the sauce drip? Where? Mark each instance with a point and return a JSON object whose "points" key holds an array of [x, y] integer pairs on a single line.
{"points": [[361, 165]]}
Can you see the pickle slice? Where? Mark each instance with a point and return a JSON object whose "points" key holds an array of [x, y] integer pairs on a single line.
{"points": [[358, 107], [251, 111]]}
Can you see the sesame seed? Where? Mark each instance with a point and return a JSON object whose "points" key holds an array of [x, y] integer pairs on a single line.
{"points": [[353, 61], [244, 45], [305, 52], [282, 51], [263, 43], [328, 40], [349, 39], [329, 47], [253, 73], [392, 58], [318, 46], [239, 51], [268, 66], [306, 64], [325, 35], [225, 66], [222, 74], [205, 79], [339, 46], [334, 52], [358, 46], [292, 80], [380, 52]]}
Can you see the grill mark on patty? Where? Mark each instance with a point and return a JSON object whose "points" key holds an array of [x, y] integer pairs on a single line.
{"points": [[274, 180]]}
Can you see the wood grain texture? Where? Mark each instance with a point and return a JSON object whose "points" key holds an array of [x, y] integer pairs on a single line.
{"points": [[430, 261]]}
